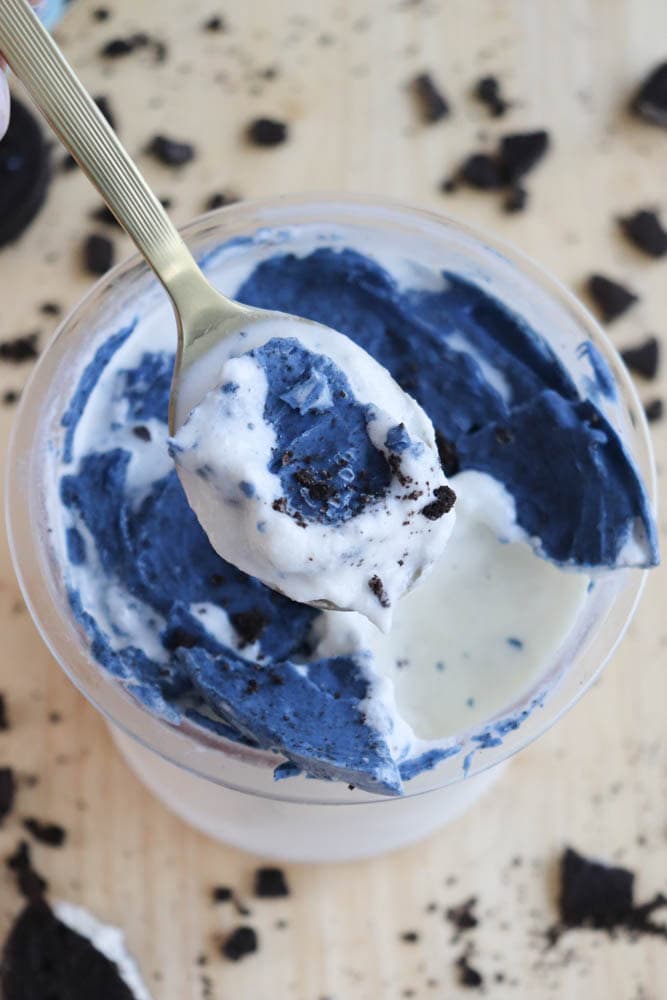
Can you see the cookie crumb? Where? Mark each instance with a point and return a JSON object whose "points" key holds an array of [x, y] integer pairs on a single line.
{"points": [[241, 942], [650, 102], [270, 883], [433, 105], [171, 152], [98, 254], [611, 298], [643, 360], [267, 132], [644, 229], [46, 833]]}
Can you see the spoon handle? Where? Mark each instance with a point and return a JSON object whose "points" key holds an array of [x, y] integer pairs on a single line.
{"points": [[76, 119]]}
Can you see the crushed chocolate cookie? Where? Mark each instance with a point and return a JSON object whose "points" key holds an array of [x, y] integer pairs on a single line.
{"points": [[270, 883], [377, 586], [11, 396], [643, 360], [394, 463], [445, 498], [23, 348], [462, 917], [68, 163], [469, 976], [280, 505], [142, 432], [25, 172], [179, 637], [449, 457], [222, 894], [98, 254], [101, 14], [170, 152], [242, 941], [517, 154], [432, 103], [50, 309], [219, 199], [44, 958], [318, 489], [7, 792], [105, 108], [249, 625], [119, 47], [516, 200], [488, 91], [46, 833], [654, 410], [520, 152], [611, 298], [644, 229], [105, 215], [503, 435], [410, 937], [215, 23], [650, 101], [484, 172], [267, 132], [30, 883], [4, 717], [600, 896]]}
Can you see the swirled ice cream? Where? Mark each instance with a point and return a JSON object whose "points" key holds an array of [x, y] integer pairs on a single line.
{"points": [[549, 504]]}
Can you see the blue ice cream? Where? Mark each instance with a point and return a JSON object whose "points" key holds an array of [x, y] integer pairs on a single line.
{"points": [[578, 498]]}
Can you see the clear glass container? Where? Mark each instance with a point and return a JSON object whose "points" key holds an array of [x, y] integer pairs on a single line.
{"points": [[223, 787]]}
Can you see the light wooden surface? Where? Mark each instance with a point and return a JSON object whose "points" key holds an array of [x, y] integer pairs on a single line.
{"points": [[598, 780]]}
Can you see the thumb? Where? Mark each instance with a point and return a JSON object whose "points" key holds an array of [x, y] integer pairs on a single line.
{"points": [[4, 103]]}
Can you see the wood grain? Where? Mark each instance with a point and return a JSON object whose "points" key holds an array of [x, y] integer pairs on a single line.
{"points": [[598, 780]]}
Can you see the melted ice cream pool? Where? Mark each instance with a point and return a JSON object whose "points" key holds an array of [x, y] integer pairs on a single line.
{"points": [[311, 470], [195, 639]]}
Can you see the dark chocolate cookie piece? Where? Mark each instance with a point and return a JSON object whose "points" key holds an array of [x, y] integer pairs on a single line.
{"points": [[611, 298], [45, 958], [25, 173], [650, 101], [644, 229]]}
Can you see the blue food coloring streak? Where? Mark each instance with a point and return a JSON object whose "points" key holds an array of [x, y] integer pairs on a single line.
{"points": [[328, 466]]}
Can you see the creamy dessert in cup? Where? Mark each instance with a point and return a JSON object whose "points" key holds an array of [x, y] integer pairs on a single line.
{"points": [[276, 708]]}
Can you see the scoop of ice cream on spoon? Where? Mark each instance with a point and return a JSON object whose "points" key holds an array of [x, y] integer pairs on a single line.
{"points": [[306, 464]]}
